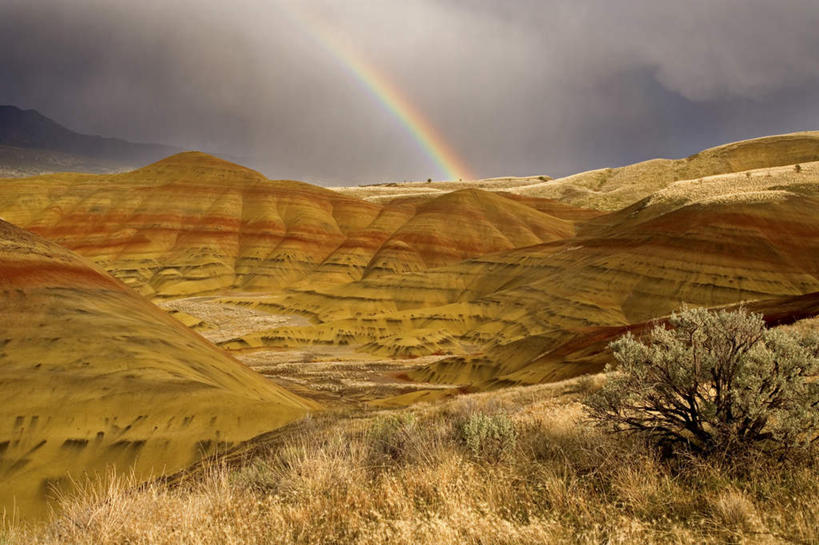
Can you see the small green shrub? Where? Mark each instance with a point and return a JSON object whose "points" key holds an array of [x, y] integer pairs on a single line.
{"points": [[714, 381], [394, 436], [254, 475], [488, 436]]}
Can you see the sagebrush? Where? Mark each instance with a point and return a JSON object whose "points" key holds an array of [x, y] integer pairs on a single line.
{"points": [[715, 381]]}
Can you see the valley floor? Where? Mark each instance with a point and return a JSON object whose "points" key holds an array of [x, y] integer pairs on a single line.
{"points": [[333, 375]]}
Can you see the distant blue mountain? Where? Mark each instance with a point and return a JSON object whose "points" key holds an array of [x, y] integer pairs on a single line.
{"points": [[32, 130]]}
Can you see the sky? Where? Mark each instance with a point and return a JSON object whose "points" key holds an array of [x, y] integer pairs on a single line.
{"points": [[344, 92]]}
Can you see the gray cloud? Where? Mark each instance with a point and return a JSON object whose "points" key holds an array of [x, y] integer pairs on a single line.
{"points": [[532, 86]]}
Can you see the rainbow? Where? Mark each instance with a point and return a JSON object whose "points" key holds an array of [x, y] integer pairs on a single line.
{"points": [[428, 137]]}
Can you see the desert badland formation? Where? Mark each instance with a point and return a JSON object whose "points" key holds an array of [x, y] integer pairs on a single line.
{"points": [[154, 317]]}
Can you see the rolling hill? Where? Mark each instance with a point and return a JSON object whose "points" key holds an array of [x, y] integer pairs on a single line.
{"points": [[193, 224], [92, 376], [514, 286], [720, 240], [614, 188]]}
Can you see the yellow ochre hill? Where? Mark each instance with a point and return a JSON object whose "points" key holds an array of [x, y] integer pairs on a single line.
{"points": [[514, 287], [711, 241], [92, 376], [193, 224]]}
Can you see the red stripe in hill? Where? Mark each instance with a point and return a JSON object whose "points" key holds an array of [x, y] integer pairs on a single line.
{"points": [[22, 274]]}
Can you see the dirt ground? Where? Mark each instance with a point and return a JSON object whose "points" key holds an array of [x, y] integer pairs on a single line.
{"points": [[331, 375]]}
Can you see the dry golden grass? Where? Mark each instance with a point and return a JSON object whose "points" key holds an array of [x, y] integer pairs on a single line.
{"points": [[407, 477], [761, 185], [394, 190], [615, 188]]}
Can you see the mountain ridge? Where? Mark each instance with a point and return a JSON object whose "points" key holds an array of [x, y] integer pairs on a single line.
{"points": [[31, 143]]}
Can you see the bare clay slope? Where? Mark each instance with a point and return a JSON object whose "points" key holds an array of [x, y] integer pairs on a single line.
{"points": [[194, 224], [721, 240], [92, 376]]}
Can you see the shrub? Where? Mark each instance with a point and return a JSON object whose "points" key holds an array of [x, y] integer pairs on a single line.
{"points": [[488, 437], [394, 436], [714, 381], [797, 168], [256, 474]]}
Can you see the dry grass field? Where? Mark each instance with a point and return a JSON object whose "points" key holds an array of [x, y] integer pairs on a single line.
{"points": [[428, 475]]}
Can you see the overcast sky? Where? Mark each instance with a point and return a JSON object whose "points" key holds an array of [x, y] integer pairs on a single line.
{"points": [[516, 87]]}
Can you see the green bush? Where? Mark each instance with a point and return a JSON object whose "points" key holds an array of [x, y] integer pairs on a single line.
{"points": [[714, 381], [257, 474], [394, 436], [488, 437]]}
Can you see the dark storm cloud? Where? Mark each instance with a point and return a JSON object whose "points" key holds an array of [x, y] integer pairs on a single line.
{"points": [[518, 87]]}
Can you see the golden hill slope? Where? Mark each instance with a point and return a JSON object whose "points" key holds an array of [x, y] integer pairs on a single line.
{"points": [[188, 224], [194, 224], [585, 350], [91, 375], [614, 188], [726, 239], [463, 224]]}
